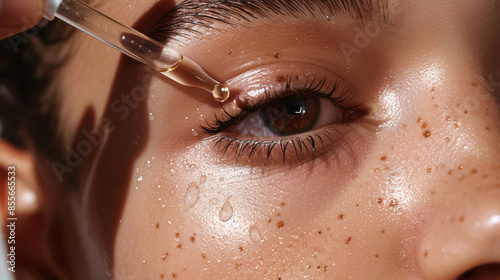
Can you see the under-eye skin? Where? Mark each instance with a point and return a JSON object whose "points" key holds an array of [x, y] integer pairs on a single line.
{"points": [[299, 121]]}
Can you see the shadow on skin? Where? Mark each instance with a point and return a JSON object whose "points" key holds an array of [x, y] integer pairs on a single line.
{"points": [[102, 180]]}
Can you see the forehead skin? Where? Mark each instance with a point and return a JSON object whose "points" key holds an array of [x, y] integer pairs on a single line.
{"points": [[385, 207]]}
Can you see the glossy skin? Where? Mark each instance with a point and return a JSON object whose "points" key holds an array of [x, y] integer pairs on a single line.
{"points": [[411, 191]]}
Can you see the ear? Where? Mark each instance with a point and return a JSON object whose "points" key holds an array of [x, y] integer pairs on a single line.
{"points": [[18, 179], [21, 209]]}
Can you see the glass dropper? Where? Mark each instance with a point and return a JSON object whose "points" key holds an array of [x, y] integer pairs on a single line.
{"points": [[136, 45]]}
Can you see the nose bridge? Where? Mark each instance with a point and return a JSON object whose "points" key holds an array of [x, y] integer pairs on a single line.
{"points": [[462, 228]]}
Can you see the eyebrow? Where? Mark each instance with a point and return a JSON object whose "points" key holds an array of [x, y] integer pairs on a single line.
{"points": [[178, 22]]}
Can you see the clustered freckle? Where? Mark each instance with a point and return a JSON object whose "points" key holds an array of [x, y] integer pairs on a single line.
{"points": [[280, 224], [393, 203]]}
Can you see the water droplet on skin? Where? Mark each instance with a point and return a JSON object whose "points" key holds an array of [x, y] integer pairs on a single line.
{"points": [[226, 212], [151, 117], [193, 132], [139, 179], [214, 201], [159, 186], [192, 195], [189, 167], [254, 234], [143, 261], [137, 170], [148, 164], [203, 179], [172, 171]]}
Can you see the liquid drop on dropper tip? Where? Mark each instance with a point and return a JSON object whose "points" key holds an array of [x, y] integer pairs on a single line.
{"points": [[221, 92]]}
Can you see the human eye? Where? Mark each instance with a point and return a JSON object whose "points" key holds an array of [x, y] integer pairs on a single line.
{"points": [[292, 118]]}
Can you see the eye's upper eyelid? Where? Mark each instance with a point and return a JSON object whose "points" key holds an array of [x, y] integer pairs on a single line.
{"points": [[177, 24], [311, 88]]}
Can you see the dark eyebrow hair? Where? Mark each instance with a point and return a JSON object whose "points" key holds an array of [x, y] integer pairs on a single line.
{"points": [[207, 13]]}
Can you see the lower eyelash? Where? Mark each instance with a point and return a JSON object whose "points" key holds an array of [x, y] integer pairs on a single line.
{"points": [[302, 147]]}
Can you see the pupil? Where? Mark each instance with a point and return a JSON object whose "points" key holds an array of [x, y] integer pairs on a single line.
{"points": [[295, 107], [292, 115]]}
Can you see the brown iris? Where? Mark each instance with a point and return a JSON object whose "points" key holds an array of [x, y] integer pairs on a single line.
{"points": [[291, 115]]}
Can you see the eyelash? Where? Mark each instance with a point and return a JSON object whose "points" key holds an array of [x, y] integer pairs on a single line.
{"points": [[302, 145]]}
